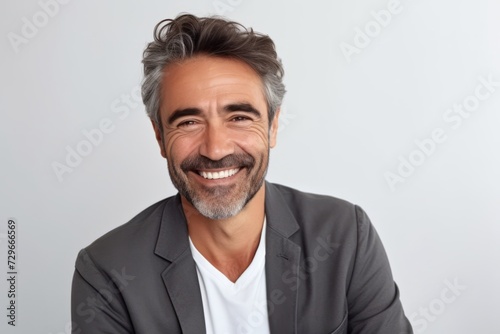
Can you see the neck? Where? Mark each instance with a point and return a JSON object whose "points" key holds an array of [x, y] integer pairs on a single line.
{"points": [[228, 244]]}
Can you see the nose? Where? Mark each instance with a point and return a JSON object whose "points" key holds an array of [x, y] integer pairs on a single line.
{"points": [[217, 143]]}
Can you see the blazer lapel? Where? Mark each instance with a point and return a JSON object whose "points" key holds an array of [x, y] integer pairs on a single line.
{"points": [[180, 277], [282, 263], [282, 266]]}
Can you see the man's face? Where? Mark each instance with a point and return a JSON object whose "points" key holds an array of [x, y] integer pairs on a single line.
{"points": [[216, 135]]}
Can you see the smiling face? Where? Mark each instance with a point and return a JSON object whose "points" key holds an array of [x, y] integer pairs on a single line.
{"points": [[216, 134]]}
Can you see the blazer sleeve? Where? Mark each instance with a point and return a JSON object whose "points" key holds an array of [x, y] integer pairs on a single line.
{"points": [[96, 302], [372, 295]]}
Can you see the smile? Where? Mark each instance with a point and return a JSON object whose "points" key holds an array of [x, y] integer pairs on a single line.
{"points": [[218, 175]]}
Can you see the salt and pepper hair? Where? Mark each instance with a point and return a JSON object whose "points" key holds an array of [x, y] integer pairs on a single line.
{"points": [[187, 36]]}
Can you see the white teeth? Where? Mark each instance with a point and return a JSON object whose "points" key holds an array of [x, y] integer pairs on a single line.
{"points": [[219, 175]]}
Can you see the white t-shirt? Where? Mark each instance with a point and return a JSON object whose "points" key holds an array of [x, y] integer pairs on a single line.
{"points": [[234, 308]]}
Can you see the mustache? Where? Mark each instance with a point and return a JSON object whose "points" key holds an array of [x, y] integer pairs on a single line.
{"points": [[199, 162]]}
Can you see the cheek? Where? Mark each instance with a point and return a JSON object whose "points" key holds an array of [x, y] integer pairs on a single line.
{"points": [[251, 140], [254, 144], [178, 146], [254, 138]]}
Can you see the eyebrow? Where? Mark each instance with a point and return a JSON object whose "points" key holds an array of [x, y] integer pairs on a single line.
{"points": [[183, 112], [245, 107]]}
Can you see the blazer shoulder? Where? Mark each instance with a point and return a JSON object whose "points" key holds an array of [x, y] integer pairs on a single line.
{"points": [[138, 235], [312, 204], [318, 214]]}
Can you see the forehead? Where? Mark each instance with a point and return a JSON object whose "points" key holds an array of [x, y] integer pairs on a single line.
{"points": [[203, 81]]}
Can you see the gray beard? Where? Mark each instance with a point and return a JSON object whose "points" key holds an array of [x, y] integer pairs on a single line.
{"points": [[219, 204], [220, 209]]}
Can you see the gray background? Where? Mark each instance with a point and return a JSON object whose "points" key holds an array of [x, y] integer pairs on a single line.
{"points": [[346, 122]]}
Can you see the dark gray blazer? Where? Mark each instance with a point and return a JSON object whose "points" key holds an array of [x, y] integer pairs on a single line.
{"points": [[326, 272]]}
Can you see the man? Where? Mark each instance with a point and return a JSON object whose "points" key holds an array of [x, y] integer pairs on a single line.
{"points": [[230, 253]]}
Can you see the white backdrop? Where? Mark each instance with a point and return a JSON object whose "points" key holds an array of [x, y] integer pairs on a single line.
{"points": [[393, 105]]}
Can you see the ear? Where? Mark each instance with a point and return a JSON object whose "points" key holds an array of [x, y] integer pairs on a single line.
{"points": [[273, 130], [159, 137]]}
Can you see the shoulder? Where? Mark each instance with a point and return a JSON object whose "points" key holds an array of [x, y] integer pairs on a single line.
{"points": [[132, 240], [310, 205], [320, 215], [311, 198]]}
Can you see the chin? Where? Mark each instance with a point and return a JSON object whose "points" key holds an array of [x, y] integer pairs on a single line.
{"points": [[218, 212]]}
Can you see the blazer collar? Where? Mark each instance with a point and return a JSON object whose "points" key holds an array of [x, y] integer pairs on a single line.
{"points": [[173, 234], [278, 214], [282, 265], [180, 277]]}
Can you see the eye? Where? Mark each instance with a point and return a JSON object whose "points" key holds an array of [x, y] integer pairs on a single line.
{"points": [[240, 118], [186, 124]]}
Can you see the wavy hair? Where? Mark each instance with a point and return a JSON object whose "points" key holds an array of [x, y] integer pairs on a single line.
{"points": [[187, 35]]}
